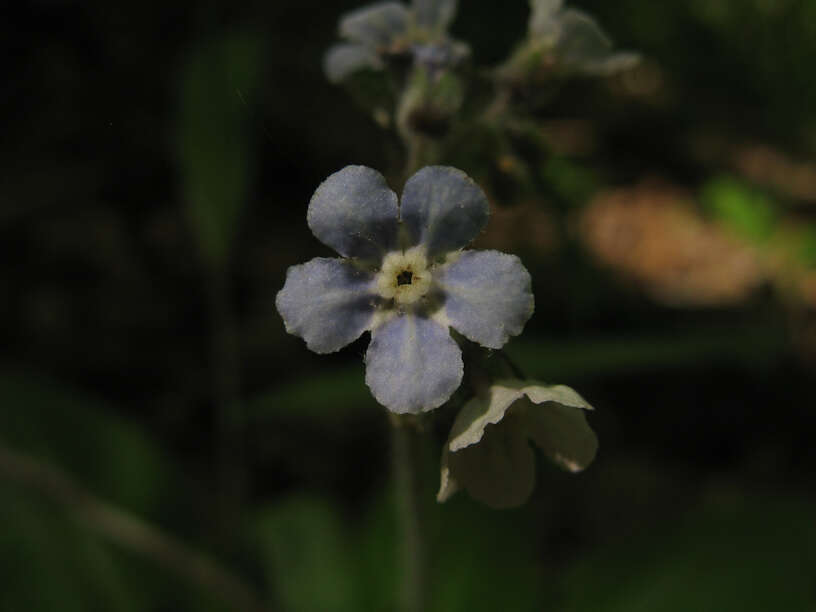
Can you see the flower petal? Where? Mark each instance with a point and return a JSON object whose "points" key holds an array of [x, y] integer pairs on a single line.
{"points": [[478, 413], [434, 14], [488, 453], [412, 364], [554, 418], [327, 302], [443, 208], [487, 296], [499, 471], [560, 394], [584, 47], [447, 483], [543, 18], [355, 213], [376, 25], [345, 59]]}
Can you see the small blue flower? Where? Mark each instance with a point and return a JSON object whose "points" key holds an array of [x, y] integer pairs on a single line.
{"points": [[405, 278], [389, 29]]}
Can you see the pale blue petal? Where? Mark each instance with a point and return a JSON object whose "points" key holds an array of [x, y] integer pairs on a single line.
{"points": [[376, 25], [327, 302], [435, 57], [434, 14], [487, 296], [443, 209], [543, 18], [412, 364], [345, 59], [355, 213], [584, 47]]}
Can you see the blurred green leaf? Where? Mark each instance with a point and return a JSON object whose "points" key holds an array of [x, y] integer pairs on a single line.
{"points": [[807, 247], [746, 211], [754, 555], [49, 563], [571, 181], [214, 140], [308, 423], [59, 563], [330, 398], [305, 400], [322, 560], [64, 426], [52, 562], [310, 561], [593, 357]]}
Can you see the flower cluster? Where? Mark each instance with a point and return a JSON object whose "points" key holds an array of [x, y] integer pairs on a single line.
{"points": [[390, 30], [404, 277]]}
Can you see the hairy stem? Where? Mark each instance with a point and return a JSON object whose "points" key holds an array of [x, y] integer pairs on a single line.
{"points": [[128, 531], [416, 150], [407, 463], [514, 368]]}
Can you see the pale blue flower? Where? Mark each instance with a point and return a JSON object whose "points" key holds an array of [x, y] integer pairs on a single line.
{"points": [[374, 33], [405, 278], [573, 41]]}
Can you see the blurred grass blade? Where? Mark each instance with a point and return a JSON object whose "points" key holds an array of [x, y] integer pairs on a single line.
{"points": [[215, 137], [127, 530], [64, 426]]}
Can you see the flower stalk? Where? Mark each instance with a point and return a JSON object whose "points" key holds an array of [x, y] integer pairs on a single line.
{"points": [[407, 460]]}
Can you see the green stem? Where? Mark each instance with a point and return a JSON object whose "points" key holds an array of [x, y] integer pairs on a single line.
{"points": [[407, 467], [229, 418], [416, 151], [514, 368]]}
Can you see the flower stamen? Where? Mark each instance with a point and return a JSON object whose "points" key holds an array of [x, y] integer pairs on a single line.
{"points": [[404, 276]]}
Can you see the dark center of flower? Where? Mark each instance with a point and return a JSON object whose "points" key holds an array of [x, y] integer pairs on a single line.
{"points": [[406, 277]]}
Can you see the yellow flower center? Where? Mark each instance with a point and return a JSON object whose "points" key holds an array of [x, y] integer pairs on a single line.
{"points": [[404, 276]]}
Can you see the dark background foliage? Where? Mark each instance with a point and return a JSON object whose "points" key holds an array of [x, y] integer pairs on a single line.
{"points": [[136, 136]]}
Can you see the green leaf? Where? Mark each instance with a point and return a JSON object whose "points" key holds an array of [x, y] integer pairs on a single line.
{"points": [[305, 400], [214, 139], [320, 558], [306, 550], [49, 563], [64, 426], [807, 247], [751, 555], [747, 212], [571, 181]]}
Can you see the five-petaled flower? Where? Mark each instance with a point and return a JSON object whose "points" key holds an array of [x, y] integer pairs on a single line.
{"points": [[386, 30], [405, 278]]}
